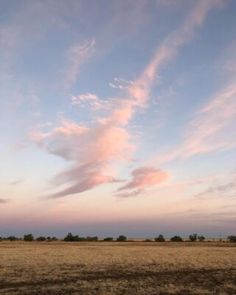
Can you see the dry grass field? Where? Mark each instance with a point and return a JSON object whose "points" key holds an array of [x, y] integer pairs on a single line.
{"points": [[117, 268]]}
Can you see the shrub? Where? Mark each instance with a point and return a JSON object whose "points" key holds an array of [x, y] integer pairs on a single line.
{"points": [[80, 239], [121, 238], [71, 238], [160, 238], [12, 238], [193, 237], [90, 239], [108, 239], [232, 239], [148, 240], [41, 239], [50, 239], [176, 239], [201, 238], [28, 238]]}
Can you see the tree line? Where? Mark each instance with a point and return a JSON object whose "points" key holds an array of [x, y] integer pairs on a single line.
{"points": [[121, 238]]}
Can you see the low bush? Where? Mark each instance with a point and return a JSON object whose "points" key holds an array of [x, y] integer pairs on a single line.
{"points": [[108, 239], [201, 238], [28, 238], [41, 239], [12, 238], [121, 238], [76, 238], [232, 239], [71, 238], [160, 238], [176, 239], [193, 238], [91, 239]]}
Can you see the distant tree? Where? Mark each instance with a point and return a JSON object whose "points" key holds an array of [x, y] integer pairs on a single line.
{"points": [[68, 238], [28, 237], [147, 240], [108, 239], [91, 239], [232, 239], [0, 239], [176, 239], [80, 239], [160, 238], [71, 238], [193, 237], [41, 239], [201, 238], [12, 238], [121, 238]]}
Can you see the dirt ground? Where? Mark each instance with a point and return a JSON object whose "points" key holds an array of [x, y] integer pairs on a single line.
{"points": [[143, 268]]}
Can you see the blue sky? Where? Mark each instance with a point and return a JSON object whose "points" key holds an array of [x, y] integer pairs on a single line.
{"points": [[118, 115]]}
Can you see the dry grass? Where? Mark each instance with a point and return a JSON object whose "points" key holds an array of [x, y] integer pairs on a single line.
{"points": [[117, 268]]}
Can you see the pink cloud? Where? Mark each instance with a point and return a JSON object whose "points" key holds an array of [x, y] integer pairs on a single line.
{"points": [[145, 177], [140, 89], [87, 180], [129, 194], [95, 150]]}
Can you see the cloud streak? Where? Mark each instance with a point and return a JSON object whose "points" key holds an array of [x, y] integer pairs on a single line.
{"points": [[95, 150], [142, 178], [225, 190], [89, 100], [77, 55], [206, 132], [169, 48], [3, 201], [119, 83]]}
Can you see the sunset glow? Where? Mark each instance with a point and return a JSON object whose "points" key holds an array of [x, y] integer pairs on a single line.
{"points": [[118, 117]]}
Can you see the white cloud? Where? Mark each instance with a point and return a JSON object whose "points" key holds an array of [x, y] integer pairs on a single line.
{"points": [[119, 83], [77, 55]]}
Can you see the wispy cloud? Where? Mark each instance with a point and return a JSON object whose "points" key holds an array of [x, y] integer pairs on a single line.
{"points": [[89, 100], [120, 83], [92, 150], [77, 55], [219, 190], [140, 89], [3, 201], [206, 132], [95, 150], [84, 97], [16, 182], [142, 178], [169, 48]]}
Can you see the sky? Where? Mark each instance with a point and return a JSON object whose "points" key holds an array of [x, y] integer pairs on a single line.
{"points": [[118, 117]]}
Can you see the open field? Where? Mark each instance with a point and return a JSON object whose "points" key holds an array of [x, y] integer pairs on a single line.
{"points": [[117, 268]]}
